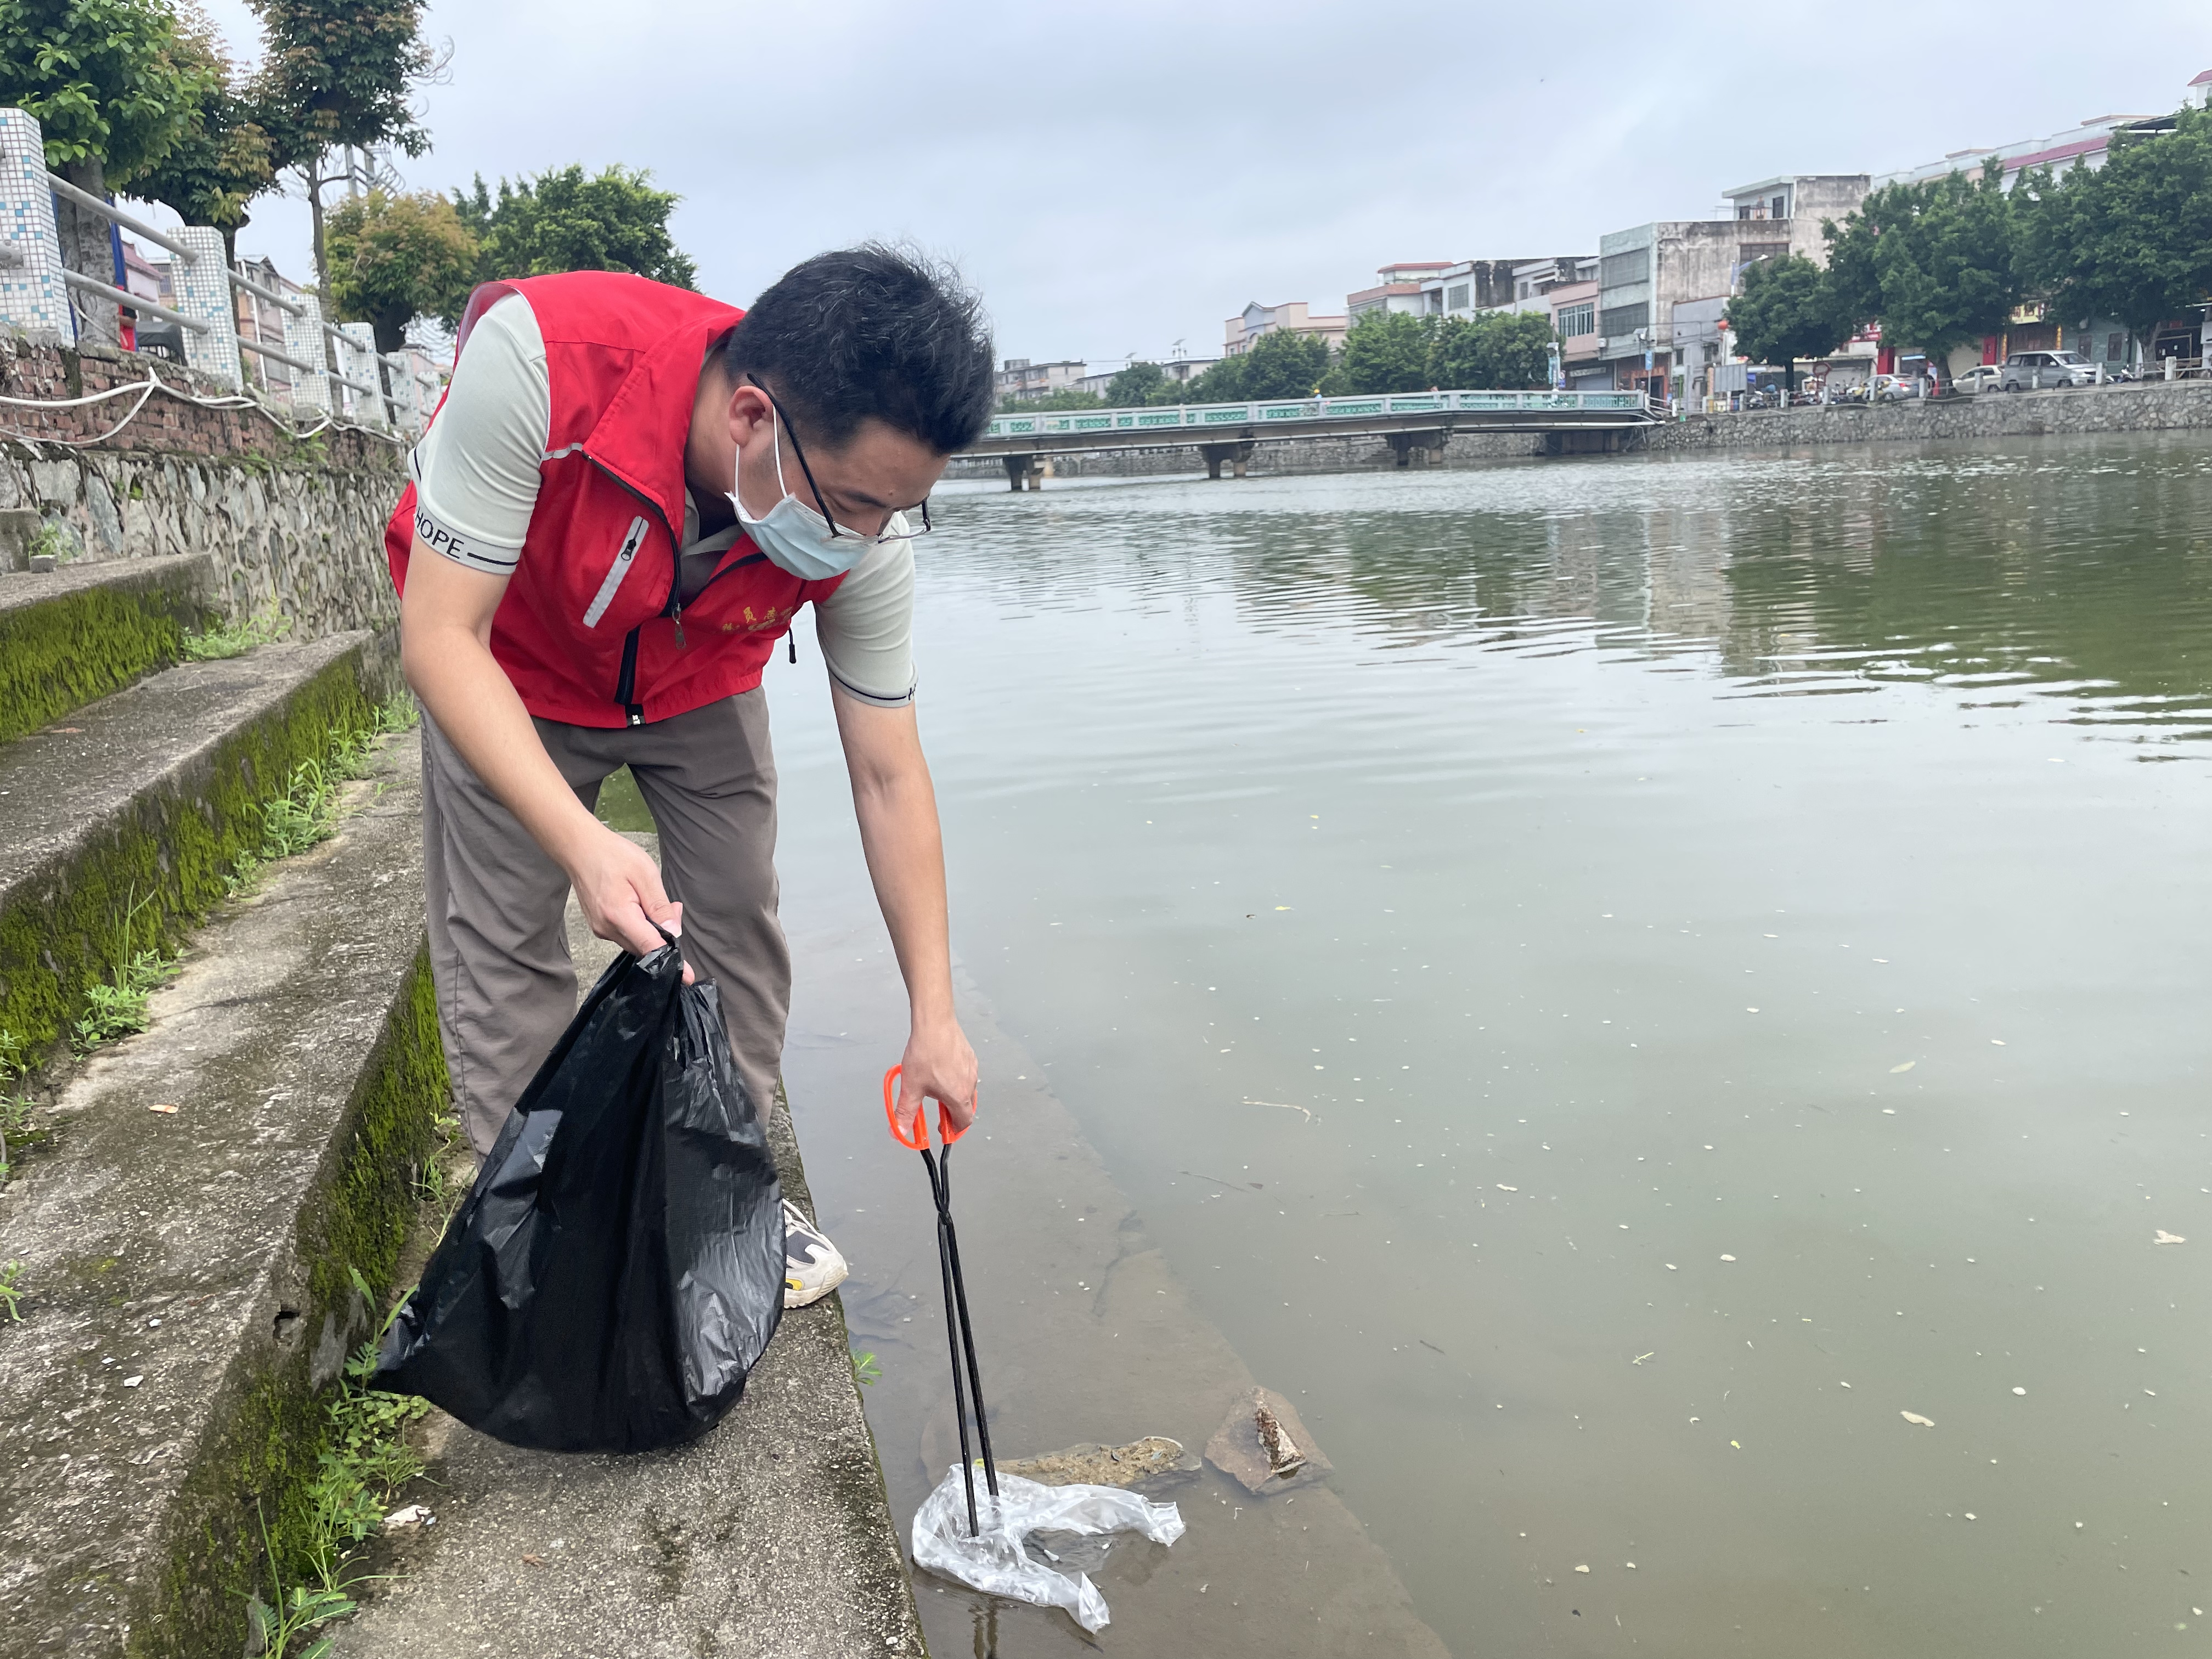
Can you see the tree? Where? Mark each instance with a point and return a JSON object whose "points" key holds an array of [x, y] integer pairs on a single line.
{"points": [[393, 258], [222, 159], [1279, 364], [562, 220], [1136, 386], [114, 89], [1385, 351], [1283, 364], [2131, 239], [339, 73], [1934, 262], [1787, 311], [1066, 397], [1506, 350], [1224, 383]]}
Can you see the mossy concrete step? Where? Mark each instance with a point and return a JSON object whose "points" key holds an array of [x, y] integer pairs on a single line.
{"points": [[190, 1271], [126, 821], [771, 1536], [89, 629]]}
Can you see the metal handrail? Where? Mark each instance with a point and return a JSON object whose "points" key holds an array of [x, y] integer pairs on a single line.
{"points": [[268, 294], [137, 302], [86, 199], [1272, 410], [261, 350]]}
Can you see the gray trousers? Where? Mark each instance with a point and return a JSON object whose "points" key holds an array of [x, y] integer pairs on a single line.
{"points": [[499, 944]]}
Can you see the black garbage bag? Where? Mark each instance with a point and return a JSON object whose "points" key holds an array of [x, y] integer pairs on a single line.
{"points": [[618, 1267]]}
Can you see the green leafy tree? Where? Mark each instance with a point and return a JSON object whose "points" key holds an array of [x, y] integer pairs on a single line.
{"points": [[1384, 351], [1136, 386], [563, 219], [114, 89], [1283, 364], [222, 160], [393, 258], [2131, 239], [1224, 383], [1934, 263], [1787, 311], [339, 74], [1066, 397], [1503, 350]]}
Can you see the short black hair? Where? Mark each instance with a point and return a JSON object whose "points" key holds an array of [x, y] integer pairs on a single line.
{"points": [[872, 331]]}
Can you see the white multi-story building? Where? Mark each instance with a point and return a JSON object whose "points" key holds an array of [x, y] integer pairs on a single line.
{"points": [[1291, 317]]}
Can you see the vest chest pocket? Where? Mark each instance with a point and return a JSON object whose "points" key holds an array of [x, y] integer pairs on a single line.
{"points": [[625, 555]]}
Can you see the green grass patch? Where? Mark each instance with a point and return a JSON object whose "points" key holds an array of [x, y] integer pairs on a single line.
{"points": [[229, 640], [118, 1008]]}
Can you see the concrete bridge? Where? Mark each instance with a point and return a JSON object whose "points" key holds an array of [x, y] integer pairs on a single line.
{"points": [[1416, 425]]}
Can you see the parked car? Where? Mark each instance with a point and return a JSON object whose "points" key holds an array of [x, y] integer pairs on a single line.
{"points": [[1982, 377], [2026, 369]]}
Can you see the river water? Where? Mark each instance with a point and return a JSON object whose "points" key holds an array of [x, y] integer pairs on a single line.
{"points": [[1611, 982]]}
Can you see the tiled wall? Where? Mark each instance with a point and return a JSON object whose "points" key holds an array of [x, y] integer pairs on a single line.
{"points": [[32, 298]]}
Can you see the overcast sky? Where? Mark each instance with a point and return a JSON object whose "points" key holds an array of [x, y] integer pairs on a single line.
{"points": [[1120, 177]]}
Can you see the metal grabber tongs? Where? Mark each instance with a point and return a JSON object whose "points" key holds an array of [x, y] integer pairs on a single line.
{"points": [[959, 1336]]}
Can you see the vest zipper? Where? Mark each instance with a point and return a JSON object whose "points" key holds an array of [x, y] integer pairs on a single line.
{"points": [[626, 687]]}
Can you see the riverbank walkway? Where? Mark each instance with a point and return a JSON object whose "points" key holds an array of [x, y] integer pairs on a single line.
{"points": [[1417, 423], [227, 1143]]}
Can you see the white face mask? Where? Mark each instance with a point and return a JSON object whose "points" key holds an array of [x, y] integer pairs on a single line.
{"points": [[794, 537]]}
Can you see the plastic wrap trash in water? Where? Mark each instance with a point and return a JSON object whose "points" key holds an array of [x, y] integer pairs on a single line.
{"points": [[995, 1562]]}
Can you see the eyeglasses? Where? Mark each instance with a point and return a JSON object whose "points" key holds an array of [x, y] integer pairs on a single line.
{"points": [[886, 534]]}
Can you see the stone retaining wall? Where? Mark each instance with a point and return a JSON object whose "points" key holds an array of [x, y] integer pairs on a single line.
{"points": [[294, 524], [2152, 406]]}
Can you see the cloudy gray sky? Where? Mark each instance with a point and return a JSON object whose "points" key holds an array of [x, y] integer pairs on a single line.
{"points": [[1119, 177]]}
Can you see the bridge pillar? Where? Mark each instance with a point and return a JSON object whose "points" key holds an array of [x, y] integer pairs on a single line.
{"points": [[1236, 455], [1416, 449], [1019, 468]]}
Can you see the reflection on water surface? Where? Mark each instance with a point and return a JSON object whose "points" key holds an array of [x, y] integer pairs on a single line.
{"points": [[1613, 981]]}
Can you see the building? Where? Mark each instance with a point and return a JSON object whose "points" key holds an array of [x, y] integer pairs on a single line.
{"points": [[1397, 288], [1021, 379], [1291, 317], [2086, 143], [1179, 371], [264, 324], [1573, 307], [2033, 328], [1447, 287], [1783, 215], [1477, 285], [1643, 273]]}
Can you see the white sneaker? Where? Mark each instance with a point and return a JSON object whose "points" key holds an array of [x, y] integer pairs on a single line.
{"points": [[811, 1265]]}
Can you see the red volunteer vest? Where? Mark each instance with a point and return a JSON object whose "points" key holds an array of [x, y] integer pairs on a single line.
{"points": [[592, 630]]}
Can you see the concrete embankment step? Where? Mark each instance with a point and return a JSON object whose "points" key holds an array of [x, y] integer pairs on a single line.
{"points": [[72, 634], [189, 1238], [124, 820], [771, 1536]]}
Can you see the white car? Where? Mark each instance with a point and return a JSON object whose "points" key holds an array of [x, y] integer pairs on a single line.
{"points": [[2024, 370], [1982, 377]]}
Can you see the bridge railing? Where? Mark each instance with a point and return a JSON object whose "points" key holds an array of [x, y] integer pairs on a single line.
{"points": [[1199, 416]]}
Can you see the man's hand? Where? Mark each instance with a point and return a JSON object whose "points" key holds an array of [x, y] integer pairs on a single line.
{"points": [[619, 890], [940, 1065]]}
